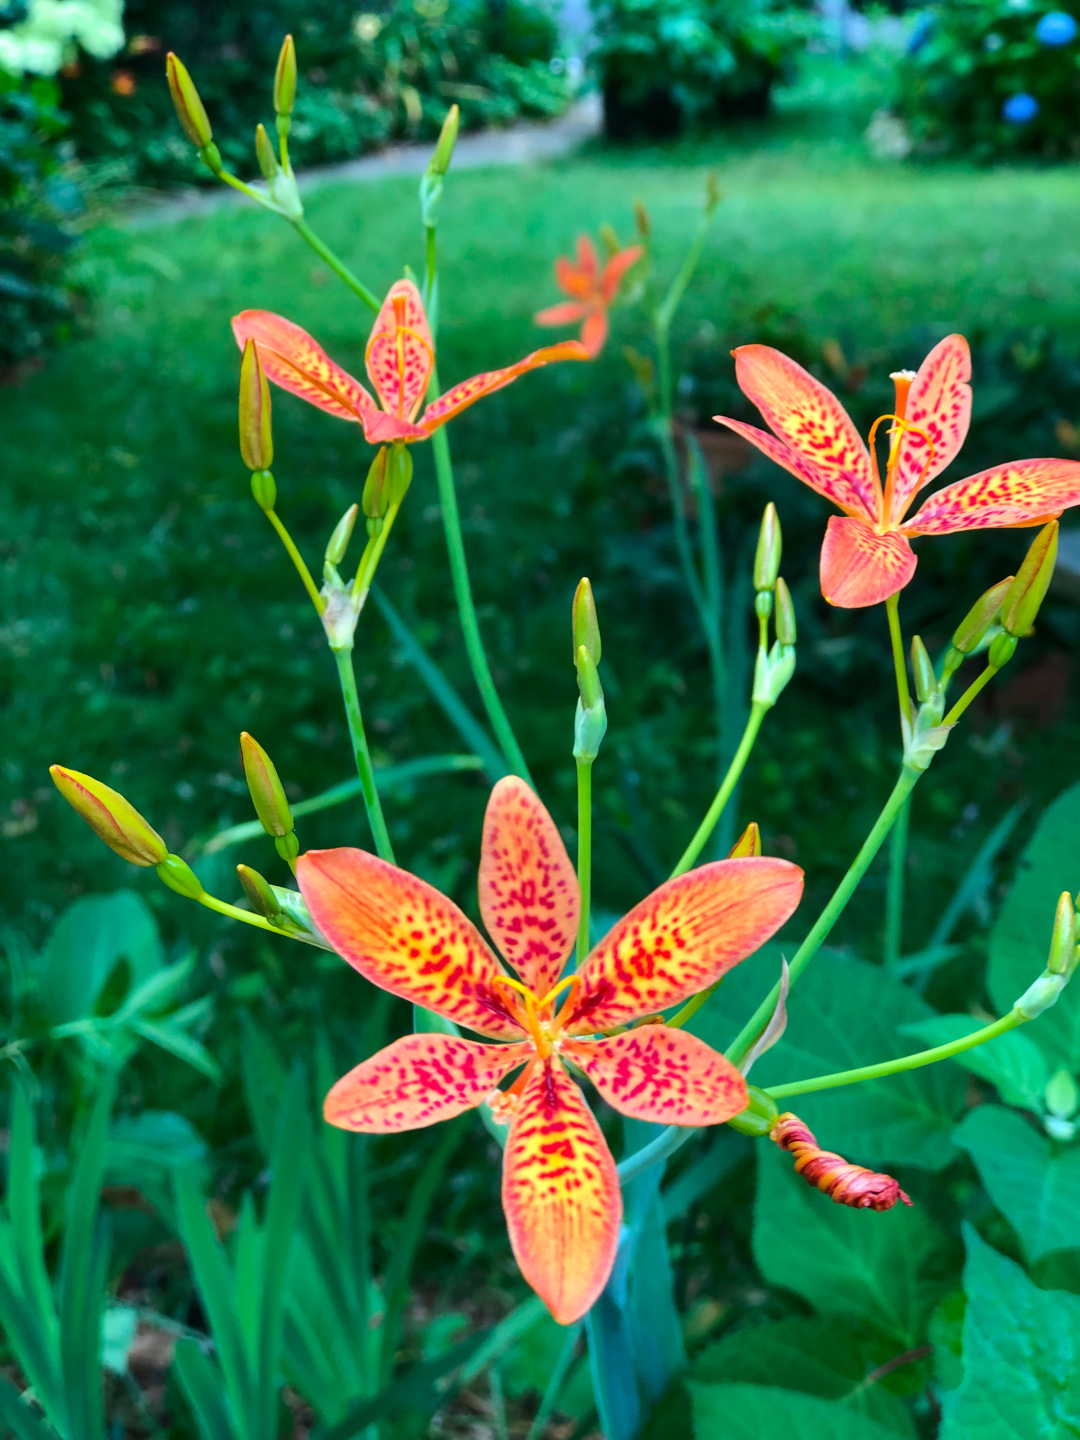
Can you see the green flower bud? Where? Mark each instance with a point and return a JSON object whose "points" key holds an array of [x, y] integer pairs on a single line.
{"points": [[760, 1115], [785, 613], [399, 473], [178, 875], [641, 220], [1028, 590], [748, 844], [264, 153], [441, 156], [923, 670], [767, 558], [609, 240], [586, 627], [256, 438], [264, 489], [1002, 649], [592, 692], [210, 155], [374, 501], [1063, 939], [980, 617], [259, 892], [189, 108], [285, 78], [111, 817], [1061, 1096], [763, 604], [267, 794], [339, 540]]}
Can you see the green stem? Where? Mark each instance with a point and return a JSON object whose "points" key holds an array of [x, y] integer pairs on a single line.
{"points": [[906, 782], [758, 712], [969, 695], [894, 903], [584, 854], [235, 913], [338, 266], [298, 560], [892, 609], [369, 560], [665, 1144], [906, 1062], [347, 676]]}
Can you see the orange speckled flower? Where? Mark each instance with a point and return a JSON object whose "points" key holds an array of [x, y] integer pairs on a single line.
{"points": [[560, 1188], [866, 556], [591, 291], [830, 1173], [400, 357]]}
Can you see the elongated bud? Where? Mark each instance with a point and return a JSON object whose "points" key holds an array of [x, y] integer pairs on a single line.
{"points": [[585, 624], [748, 844], [641, 219], [267, 794], [830, 1173], [785, 613], [1002, 649], [189, 108], [110, 817], [374, 500], [256, 438], [441, 156], [285, 78], [980, 617], [264, 153], [923, 670], [399, 472], [339, 540], [178, 875], [264, 489], [1063, 939], [767, 558], [609, 240], [1028, 590], [760, 1115], [588, 680], [259, 892]]}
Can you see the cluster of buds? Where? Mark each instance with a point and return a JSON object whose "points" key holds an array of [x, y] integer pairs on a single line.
{"points": [[1061, 964], [924, 734], [590, 723], [774, 667]]}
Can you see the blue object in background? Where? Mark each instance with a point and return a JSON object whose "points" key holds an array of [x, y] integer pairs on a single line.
{"points": [[920, 32], [1057, 27], [1020, 109]]}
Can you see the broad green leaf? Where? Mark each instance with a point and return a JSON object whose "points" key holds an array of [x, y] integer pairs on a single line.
{"points": [[1020, 940], [874, 1269], [1013, 1062], [752, 1412], [1034, 1182], [842, 1014], [85, 946], [1021, 1356]]}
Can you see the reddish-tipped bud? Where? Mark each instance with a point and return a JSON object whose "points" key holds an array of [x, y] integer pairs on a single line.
{"points": [[748, 844], [785, 613], [189, 108], [110, 817], [1028, 590], [830, 1173], [267, 793], [767, 558], [285, 78], [256, 437]]}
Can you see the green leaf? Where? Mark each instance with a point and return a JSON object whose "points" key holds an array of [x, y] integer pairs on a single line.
{"points": [[1021, 1356], [200, 1379], [1034, 1182], [24, 1423], [85, 946], [1020, 940], [872, 1268], [535, 1357], [1013, 1062], [177, 1042], [752, 1412], [843, 1014], [287, 1165]]}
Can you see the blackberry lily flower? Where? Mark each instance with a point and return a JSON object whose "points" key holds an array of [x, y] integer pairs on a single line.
{"points": [[560, 1189], [400, 357], [866, 556], [592, 291]]}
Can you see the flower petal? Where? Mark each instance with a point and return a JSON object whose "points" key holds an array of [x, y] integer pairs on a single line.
{"points": [[587, 261], [1027, 492], [782, 454], [595, 331], [654, 1073], [615, 269], [529, 894], [567, 312], [809, 418], [939, 402], [573, 281], [402, 935], [400, 351], [859, 567], [682, 938], [560, 1193], [419, 1080], [463, 395], [293, 360]]}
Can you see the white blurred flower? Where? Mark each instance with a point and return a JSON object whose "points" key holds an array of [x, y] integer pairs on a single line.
{"points": [[53, 29]]}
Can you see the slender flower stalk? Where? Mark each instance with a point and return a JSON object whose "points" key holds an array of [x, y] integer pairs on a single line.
{"points": [[894, 900], [758, 711], [584, 854], [364, 768], [892, 609]]}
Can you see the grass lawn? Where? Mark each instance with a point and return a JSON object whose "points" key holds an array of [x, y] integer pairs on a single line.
{"points": [[148, 615]]}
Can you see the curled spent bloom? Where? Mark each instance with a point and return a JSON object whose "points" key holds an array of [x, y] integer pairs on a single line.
{"points": [[834, 1176], [591, 290], [400, 357], [560, 1189], [866, 556]]}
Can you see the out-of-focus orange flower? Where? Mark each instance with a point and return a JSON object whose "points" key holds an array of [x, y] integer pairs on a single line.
{"points": [[830, 1173], [123, 82], [591, 289]]}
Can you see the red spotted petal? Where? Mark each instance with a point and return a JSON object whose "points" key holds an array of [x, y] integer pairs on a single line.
{"points": [[383, 429], [782, 454], [418, 1081], [469, 391], [594, 332], [567, 312], [939, 403], [682, 938], [616, 268], [573, 281], [529, 894], [810, 419], [293, 360], [654, 1073], [400, 351], [402, 935], [860, 568], [560, 1193], [1027, 492]]}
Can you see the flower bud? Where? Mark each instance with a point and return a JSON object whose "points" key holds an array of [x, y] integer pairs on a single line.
{"points": [[609, 240], [110, 817], [760, 1115], [439, 163], [1061, 1097], [748, 844], [399, 473], [1028, 590], [785, 613], [1063, 939], [592, 691], [264, 489], [923, 670], [259, 892], [586, 627], [373, 501], [339, 540], [189, 108], [178, 875], [1002, 649], [264, 153], [641, 218], [267, 794], [767, 558], [256, 438], [980, 617], [285, 78]]}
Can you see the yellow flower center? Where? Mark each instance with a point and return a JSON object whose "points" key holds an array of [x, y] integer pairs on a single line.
{"points": [[539, 1018]]}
